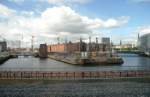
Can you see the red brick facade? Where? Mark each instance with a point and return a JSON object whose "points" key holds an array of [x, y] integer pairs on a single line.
{"points": [[56, 48], [70, 47], [74, 47]]}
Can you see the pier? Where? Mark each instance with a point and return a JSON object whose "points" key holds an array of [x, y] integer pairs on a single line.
{"points": [[63, 75]]}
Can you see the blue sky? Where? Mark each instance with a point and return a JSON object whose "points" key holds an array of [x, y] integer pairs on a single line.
{"points": [[118, 19]]}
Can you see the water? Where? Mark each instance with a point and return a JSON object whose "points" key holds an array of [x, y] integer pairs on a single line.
{"points": [[131, 62]]}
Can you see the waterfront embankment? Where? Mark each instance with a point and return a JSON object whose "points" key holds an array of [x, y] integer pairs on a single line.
{"points": [[101, 58], [4, 56]]}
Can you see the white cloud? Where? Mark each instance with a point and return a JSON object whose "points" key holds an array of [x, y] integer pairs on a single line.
{"points": [[132, 37], [143, 30], [56, 2], [115, 23], [52, 23], [66, 2], [64, 19], [5, 11]]}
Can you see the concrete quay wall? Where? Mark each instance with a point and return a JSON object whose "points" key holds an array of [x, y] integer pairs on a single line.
{"points": [[4, 56], [71, 75]]}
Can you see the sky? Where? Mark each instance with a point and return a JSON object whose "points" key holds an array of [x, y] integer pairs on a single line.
{"points": [[48, 20]]}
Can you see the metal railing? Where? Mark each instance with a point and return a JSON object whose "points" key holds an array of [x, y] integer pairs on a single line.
{"points": [[71, 74]]}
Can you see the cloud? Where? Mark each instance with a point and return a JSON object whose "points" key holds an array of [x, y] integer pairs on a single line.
{"points": [[140, 1], [5, 11], [54, 22], [55, 2], [64, 19], [143, 30], [115, 23], [132, 37], [66, 2]]}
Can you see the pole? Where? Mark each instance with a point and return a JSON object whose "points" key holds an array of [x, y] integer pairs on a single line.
{"points": [[32, 42]]}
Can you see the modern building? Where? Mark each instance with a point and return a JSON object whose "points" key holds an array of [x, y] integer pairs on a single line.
{"points": [[144, 44], [3, 46]]}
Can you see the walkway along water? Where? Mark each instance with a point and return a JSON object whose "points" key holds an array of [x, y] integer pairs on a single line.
{"points": [[71, 75]]}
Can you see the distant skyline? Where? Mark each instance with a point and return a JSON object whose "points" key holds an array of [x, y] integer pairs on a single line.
{"points": [[49, 19]]}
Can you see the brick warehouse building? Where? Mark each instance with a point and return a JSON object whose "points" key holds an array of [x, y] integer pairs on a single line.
{"points": [[74, 47], [67, 47]]}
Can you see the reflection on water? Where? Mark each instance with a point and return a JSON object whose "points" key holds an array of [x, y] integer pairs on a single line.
{"points": [[131, 62]]}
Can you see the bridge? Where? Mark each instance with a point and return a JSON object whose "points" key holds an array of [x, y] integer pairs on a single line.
{"points": [[21, 54]]}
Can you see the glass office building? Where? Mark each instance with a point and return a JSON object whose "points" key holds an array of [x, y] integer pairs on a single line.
{"points": [[144, 44]]}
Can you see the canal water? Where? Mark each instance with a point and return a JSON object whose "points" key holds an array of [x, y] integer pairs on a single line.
{"points": [[131, 62]]}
